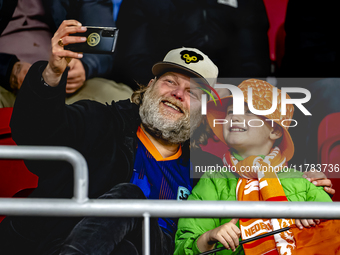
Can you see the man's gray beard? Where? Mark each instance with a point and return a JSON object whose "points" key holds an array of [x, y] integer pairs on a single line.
{"points": [[163, 127]]}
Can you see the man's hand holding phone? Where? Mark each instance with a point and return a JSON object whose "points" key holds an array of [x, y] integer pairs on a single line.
{"points": [[60, 57]]}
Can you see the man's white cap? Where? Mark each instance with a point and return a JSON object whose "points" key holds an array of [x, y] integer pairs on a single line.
{"points": [[190, 60]]}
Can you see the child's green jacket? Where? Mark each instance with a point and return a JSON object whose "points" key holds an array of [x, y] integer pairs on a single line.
{"points": [[222, 186]]}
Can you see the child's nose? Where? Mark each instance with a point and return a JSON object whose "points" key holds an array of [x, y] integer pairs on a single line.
{"points": [[237, 118]]}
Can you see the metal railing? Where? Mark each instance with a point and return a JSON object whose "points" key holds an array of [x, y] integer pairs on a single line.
{"points": [[81, 206]]}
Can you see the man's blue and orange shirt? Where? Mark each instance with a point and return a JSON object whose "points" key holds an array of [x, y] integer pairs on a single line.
{"points": [[161, 178]]}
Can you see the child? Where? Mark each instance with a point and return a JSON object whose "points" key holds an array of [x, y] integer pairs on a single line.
{"points": [[261, 141]]}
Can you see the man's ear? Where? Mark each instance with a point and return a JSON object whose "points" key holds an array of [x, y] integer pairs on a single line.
{"points": [[276, 133], [150, 82]]}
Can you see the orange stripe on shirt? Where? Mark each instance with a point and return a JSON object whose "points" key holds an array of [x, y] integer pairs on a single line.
{"points": [[161, 189], [153, 150]]}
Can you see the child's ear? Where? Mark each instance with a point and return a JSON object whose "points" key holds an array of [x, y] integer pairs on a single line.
{"points": [[276, 133]]}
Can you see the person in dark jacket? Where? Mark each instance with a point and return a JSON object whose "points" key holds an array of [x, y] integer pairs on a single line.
{"points": [[26, 29], [135, 143], [232, 33]]}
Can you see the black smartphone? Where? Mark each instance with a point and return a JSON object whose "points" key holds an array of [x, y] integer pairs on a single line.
{"points": [[100, 40]]}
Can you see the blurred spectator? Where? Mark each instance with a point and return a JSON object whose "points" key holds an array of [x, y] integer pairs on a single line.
{"points": [[116, 6], [232, 32], [311, 60], [26, 29]]}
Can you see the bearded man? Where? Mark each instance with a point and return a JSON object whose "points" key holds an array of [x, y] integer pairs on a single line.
{"points": [[137, 149]]}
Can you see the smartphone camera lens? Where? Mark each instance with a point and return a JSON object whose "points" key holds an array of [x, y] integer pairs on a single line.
{"points": [[108, 33]]}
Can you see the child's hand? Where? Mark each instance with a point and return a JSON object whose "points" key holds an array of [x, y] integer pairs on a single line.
{"points": [[307, 223], [228, 234]]}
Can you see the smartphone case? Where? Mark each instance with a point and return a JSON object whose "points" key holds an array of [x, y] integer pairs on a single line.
{"points": [[100, 40]]}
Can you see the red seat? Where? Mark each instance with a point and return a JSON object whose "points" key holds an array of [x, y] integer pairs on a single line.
{"points": [[329, 149], [15, 179], [276, 11]]}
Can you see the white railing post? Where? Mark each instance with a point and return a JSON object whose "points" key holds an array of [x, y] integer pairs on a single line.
{"points": [[146, 234], [81, 183]]}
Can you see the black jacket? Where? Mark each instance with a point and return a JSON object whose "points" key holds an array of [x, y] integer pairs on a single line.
{"points": [[235, 39], [89, 13], [104, 134]]}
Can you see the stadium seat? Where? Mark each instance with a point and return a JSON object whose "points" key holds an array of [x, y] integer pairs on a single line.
{"points": [[329, 149], [15, 179]]}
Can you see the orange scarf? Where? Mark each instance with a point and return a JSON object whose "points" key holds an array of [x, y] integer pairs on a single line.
{"points": [[259, 182]]}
